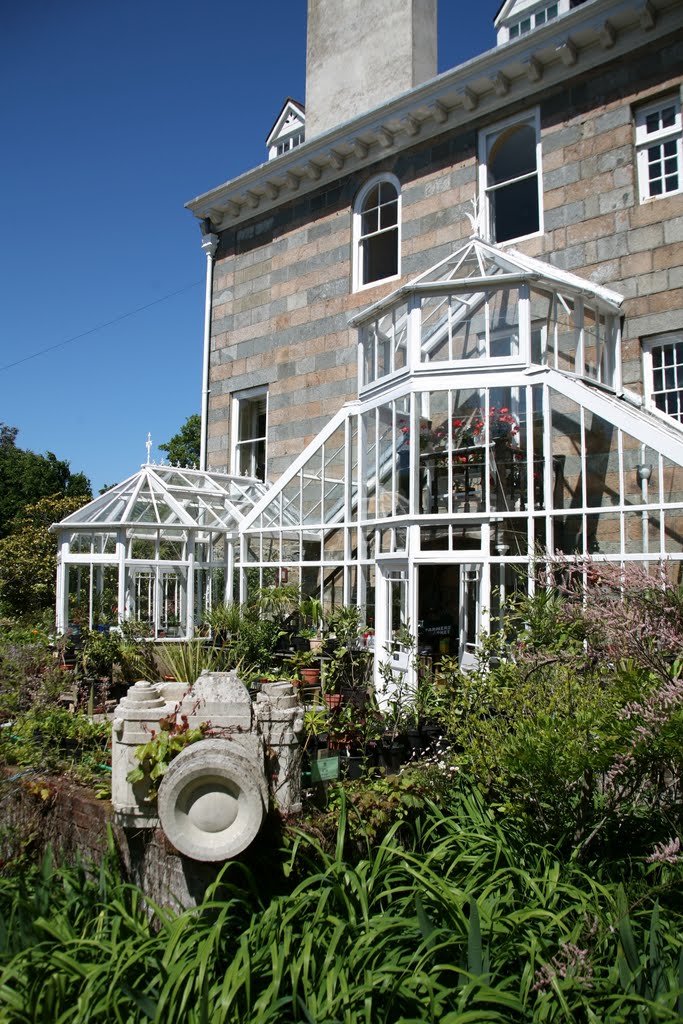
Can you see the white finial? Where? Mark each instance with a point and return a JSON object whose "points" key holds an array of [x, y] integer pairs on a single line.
{"points": [[475, 218], [148, 446]]}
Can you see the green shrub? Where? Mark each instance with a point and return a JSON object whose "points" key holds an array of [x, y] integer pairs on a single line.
{"points": [[467, 923], [54, 741]]}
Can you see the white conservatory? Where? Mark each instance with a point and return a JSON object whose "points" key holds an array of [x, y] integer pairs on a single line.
{"points": [[158, 548], [492, 425]]}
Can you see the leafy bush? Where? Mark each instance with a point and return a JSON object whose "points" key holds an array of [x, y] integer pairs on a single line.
{"points": [[468, 923], [30, 674], [582, 743], [56, 741]]}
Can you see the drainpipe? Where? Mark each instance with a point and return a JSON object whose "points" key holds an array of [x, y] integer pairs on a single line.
{"points": [[209, 245]]}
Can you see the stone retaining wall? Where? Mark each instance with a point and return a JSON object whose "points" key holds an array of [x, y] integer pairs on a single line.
{"points": [[36, 812]]}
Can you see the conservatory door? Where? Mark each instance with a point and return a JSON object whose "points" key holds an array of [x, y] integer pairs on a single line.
{"points": [[392, 611], [157, 597], [449, 611], [469, 625]]}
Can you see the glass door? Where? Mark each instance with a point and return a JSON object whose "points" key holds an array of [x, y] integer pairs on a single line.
{"points": [[392, 658]]}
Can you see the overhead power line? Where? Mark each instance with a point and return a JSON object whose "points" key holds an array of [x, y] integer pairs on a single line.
{"points": [[99, 327]]}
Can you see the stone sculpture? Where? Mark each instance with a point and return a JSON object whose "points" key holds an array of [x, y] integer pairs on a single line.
{"points": [[216, 793]]}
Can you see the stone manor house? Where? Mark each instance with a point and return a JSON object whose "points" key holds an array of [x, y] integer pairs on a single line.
{"points": [[444, 331]]}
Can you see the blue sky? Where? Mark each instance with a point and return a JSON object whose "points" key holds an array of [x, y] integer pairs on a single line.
{"points": [[114, 113]]}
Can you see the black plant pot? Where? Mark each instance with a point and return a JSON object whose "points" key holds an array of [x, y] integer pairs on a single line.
{"points": [[355, 695], [330, 646], [392, 754], [413, 743], [430, 733]]}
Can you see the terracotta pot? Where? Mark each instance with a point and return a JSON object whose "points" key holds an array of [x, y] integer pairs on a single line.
{"points": [[310, 676], [333, 700]]}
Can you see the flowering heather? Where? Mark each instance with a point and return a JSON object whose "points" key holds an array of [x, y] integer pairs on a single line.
{"points": [[666, 853], [627, 612], [569, 962]]}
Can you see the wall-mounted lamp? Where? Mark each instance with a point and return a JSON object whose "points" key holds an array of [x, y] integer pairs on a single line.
{"points": [[644, 472]]}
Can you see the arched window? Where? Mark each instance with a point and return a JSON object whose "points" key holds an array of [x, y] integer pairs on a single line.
{"points": [[377, 230], [510, 164]]}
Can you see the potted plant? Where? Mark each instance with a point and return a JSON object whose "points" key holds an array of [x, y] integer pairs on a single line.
{"points": [[349, 670], [304, 666], [312, 614]]}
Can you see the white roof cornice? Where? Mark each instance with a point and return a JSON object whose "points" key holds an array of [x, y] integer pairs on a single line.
{"points": [[590, 35]]}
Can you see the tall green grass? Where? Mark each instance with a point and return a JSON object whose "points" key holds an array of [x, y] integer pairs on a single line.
{"points": [[469, 924]]}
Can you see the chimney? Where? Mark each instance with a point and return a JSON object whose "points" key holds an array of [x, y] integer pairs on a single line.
{"points": [[361, 53]]}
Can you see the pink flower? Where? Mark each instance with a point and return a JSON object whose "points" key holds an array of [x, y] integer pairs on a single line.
{"points": [[666, 853]]}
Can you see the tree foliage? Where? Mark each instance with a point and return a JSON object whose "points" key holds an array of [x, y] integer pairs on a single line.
{"points": [[28, 556], [26, 477], [184, 447]]}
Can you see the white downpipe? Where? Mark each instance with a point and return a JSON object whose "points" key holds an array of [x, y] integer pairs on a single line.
{"points": [[209, 245]]}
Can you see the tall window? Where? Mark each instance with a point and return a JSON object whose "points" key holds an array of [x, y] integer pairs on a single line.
{"points": [[377, 220], [250, 415], [658, 144], [510, 180], [663, 358]]}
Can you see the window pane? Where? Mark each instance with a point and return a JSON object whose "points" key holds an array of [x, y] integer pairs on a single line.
{"points": [[514, 210], [369, 222], [512, 154], [389, 215], [380, 256]]}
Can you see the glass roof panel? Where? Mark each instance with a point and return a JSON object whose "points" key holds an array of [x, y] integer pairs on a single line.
{"points": [[475, 259], [171, 496]]}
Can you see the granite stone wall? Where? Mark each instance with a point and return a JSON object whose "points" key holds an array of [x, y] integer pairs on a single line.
{"points": [[282, 288]]}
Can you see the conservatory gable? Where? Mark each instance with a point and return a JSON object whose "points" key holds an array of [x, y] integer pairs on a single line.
{"points": [[486, 306]]}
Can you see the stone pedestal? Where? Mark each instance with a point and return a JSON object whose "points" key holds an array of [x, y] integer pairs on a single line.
{"points": [[281, 722], [136, 719]]}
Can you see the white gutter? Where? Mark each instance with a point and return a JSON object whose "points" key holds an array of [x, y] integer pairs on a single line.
{"points": [[209, 245]]}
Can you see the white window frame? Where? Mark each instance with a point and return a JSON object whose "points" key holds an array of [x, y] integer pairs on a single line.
{"points": [[248, 395], [486, 139], [645, 140], [358, 283], [648, 344], [287, 142], [530, 18]]}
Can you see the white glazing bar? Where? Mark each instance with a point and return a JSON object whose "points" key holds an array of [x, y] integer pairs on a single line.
{"points": [[548, 468], [449, 449], [616, 334], [394, 448], [662, 523], [414, 456], [579, 335], [191, 582], [524, 324], [530, 494], [229, 570], [414, 339], [584, 484], [622, 494]]}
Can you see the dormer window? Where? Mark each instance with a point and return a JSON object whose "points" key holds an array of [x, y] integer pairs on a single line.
{"points": [[535, 20], [288, 132], [291, 142], [519, 17]]}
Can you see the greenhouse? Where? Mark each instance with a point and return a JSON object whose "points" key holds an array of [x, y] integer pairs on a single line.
{"points": [[492, 425], [158, 548]]}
